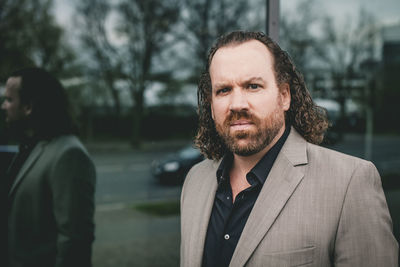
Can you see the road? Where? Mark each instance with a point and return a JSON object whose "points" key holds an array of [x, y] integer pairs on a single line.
{"points": [[125, 236], [125, 177], [124, 174], [128, 237]]}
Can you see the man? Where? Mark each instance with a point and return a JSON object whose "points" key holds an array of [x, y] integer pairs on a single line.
{"points": [[51, 181], [267, 195]]}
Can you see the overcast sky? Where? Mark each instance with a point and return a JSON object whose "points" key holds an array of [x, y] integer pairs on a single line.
{"points": [[386, 11]]}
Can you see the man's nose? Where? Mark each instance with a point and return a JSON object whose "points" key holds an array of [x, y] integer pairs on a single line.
{"points": [[238, 100]]}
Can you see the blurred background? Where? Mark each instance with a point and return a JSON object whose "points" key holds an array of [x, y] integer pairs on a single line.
{"points": [[131, 67]]}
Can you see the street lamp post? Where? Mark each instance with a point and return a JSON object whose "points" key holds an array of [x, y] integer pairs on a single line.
{"points": [[370, 68], [272, 21]]}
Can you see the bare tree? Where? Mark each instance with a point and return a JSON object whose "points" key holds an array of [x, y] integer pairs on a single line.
{"points": [[343, 50], [29, 35], [94, 15], [205, 20], [296, 36], [145, 25], [124, 39]]}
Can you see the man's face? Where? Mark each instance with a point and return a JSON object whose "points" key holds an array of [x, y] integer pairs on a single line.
{"points": [[15, 111], [246, 103]]}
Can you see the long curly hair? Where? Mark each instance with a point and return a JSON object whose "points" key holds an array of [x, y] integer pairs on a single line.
{"points": [[304, 115]]}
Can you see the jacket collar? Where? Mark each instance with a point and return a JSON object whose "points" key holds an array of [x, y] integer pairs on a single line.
{"points": [[33, 156], [282, 181]]}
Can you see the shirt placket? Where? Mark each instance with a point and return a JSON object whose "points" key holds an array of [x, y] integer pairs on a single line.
{"points": [[227, 232]]}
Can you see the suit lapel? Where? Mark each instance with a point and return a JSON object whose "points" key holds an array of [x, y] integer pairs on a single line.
{"points": [[279, 186], [201, 213], [33, 156]]}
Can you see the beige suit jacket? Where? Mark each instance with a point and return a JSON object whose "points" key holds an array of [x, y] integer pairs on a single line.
{"points": [[317, 207]]}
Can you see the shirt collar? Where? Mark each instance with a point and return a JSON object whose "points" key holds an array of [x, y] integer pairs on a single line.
{"points": [[28, 143], [224, 167], [261, 169]]}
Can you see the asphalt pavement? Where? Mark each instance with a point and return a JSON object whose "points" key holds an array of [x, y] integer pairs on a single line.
{"points": [[125, 236]]}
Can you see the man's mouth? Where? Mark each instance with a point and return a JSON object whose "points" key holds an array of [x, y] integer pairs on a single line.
{"points": [[241, 124]]}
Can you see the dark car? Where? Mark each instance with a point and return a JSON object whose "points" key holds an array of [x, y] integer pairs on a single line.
{"points": [[173, 169], [332, 108]]}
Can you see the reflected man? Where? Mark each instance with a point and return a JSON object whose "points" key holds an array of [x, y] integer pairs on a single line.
{"points": [[268, 195], [51, 181]]}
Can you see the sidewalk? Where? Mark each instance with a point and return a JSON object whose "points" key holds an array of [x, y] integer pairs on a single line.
{"points": [[126, 237]]}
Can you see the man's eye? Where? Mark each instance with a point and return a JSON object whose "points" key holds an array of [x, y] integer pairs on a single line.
{"points": [[253, 86], [222, 91]]}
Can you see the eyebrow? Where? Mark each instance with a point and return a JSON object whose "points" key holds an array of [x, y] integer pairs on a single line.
{"points": [[255, 79], [246, 82], [220, 85]]}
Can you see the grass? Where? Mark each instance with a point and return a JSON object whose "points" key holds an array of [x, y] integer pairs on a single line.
{"points": [[165, 208]]}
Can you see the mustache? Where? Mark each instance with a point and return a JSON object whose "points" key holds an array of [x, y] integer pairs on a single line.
{"points": [[237, 115]]}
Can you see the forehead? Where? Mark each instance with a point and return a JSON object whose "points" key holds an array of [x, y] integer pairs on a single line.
{"points": [[251, 58], [12, 85]]}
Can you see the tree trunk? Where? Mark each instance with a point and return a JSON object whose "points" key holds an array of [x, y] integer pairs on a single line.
{"points": [[137, 117]]}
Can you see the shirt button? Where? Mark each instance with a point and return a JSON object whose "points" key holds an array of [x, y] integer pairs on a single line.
{"points": [[227, 197], [226, 237]]}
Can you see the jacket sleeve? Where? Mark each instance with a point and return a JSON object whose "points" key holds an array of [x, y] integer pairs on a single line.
{"points": [[72, 181], [364, 235]]}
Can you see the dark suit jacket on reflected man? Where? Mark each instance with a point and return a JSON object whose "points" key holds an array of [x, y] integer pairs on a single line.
{"points": [[316, 208], [51, 209]]}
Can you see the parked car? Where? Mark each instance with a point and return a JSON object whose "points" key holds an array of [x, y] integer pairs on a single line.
{"points": [[333, 135], [174, 167]]}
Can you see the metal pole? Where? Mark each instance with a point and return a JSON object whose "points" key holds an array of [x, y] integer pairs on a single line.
{"points": [[272, 20]]}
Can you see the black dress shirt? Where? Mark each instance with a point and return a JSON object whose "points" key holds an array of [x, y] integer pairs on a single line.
{"points": [[228, 219], [25, 148]]}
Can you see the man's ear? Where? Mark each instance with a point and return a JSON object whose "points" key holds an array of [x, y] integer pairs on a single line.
{"points": [[284, 90], [27, 109], [211, 108]]}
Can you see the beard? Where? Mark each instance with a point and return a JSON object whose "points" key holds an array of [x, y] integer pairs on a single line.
{"points": [[15, 129], [266, 130]]}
